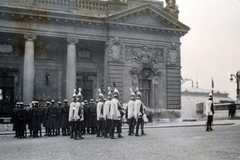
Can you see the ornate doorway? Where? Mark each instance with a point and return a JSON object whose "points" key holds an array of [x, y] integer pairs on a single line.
{"points": [[6, 95]]}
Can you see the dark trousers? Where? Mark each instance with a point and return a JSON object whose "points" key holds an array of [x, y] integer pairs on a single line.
{"points": [[139, 122], [119, 127], [78, 129], [114, 124], [108, 124], [209, 122], [131, 125], [100, 127], [72, 126]]}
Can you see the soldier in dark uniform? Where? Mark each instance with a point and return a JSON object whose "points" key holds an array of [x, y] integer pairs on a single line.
{"points": [[100, 119], [60, 117], [30, 126], [86, 117], [21, 120], [36, 118], [53, 116], [14, 119], [45, 118], [64, 119], [92, 116]]}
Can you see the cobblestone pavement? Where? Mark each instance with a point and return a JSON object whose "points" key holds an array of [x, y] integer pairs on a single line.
{"points": [[192, 143]]}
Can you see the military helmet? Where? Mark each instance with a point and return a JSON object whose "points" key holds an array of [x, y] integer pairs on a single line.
{"points": [[91, 101]]}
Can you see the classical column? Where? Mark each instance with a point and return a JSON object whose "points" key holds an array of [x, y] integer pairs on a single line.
{"points": [[106, 66], [28, 69], [71, 68]]}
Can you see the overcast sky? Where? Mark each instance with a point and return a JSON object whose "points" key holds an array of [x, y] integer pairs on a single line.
{"points": [[212, 47]]}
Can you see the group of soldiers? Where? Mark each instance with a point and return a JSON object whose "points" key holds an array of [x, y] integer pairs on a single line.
{"points": [[100, 117]]}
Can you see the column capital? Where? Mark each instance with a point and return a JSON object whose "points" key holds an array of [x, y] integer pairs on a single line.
{"points": [[30, 36], [72, 40]]}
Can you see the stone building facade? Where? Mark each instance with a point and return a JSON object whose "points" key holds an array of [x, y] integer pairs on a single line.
{"points": [[50, 47]]}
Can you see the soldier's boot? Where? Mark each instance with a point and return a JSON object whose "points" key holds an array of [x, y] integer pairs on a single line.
{"points": [[143, 133], [207, 129], [76, 136], [120, 136], [136, 133]]}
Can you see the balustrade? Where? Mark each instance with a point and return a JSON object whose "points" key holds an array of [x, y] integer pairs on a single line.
{"points": [[92, 5]]}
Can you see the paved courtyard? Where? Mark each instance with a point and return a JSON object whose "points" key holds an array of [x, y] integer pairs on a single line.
{"points": [[159, 143]]}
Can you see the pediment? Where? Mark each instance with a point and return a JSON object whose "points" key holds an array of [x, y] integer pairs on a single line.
{"points": [[147, 15]]}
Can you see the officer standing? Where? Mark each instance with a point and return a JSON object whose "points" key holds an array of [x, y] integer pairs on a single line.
{"points": [[86, 117], [92, 116], [130, 113], [106, 113], [115, 114], [209, 112], [100, 120], [36, 118], [14, 119], [72, 112], [139, 112], [21, 120], [45, 118], [59, 106], [64, 121], [77, 117], [53, 116]]}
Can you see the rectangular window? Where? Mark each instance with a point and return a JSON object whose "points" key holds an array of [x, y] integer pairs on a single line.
{"points": [[145, 86]]}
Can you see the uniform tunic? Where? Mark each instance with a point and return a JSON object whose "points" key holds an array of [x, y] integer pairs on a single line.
{"points": [[21, 118], [36, 118], [92, 116], [53, 115], [100, 111], [65, 115], [114, 112]]}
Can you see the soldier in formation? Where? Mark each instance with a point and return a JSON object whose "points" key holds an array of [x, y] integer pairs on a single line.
{"points": [[101, 117], [64, 119]]}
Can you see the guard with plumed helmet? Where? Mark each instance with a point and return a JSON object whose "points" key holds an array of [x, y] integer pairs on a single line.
{"points": [[100, 119], [72, 112], [106, 113], [130, 113], [139, 112], [115, 114]]}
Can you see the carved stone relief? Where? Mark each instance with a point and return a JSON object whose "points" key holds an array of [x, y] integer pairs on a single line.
{"points": [[144, 55], [115, 49], [173, 51]]}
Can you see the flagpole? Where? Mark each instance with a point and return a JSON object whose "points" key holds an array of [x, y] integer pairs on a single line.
{"points": [[212, 89]]}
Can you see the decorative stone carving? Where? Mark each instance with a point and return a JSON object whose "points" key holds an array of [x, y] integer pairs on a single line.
{"points": [[115, 48], [173, 52], [72, 40], [144, 55], [30, 36], [171, 6]]}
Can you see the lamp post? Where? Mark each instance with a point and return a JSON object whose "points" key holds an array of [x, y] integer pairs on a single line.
{"points": [[237, 77], [183, 80]]}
